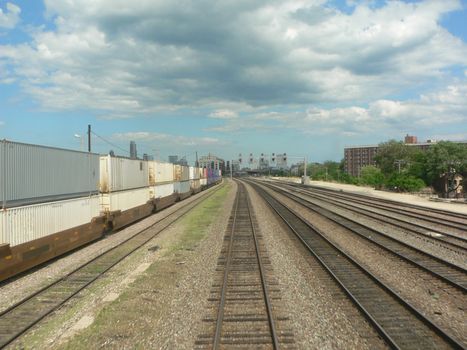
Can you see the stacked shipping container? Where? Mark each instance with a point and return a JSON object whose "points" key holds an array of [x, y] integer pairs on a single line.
{"points": [[45, 190], [54, 200], [161, 179]]}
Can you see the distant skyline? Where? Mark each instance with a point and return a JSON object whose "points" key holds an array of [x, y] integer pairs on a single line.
{"points": [[228, 77]]}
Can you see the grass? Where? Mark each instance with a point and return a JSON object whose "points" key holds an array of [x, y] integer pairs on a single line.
{"points": [[128, 321]]}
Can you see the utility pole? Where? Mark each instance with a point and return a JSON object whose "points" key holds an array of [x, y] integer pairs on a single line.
{"points": [[399, 162], [304, 163], [89, 137]]}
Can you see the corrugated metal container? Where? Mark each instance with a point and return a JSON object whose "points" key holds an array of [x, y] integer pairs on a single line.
{"points": [[195, 184], [205, 173], [124, 200], [120, 174], [161, 191], [203, 182], [33, 174], [182, 186], [160, 172], [194, 173], [26, 223], [181, 173]]}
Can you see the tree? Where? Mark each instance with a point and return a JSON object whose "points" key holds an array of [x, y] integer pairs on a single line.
{"points": [[371, 175], [442, 161], [405, 183], [394, 157]]}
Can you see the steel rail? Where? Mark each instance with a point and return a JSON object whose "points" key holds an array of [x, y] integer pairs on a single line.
{"points": [[383, 200], [315, 238], [227, 270], [220, 311], [379, 203], [455, 242], [6, 339], [433, 261], [272, 327]]}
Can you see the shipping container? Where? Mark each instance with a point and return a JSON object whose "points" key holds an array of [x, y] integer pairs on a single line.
{"points": [[161, 191], [203, 182], [120, 174], [26, 223], [34, 174], [182, 186], [195, 185], [204, 173], [194, 173], [124, 200], [160, 173], [181, 173]]}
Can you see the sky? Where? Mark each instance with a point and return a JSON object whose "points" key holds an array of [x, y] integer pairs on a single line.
{"points": [[306, 78]]}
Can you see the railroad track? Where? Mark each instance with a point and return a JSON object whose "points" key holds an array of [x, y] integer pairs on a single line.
{"points": [[443, 270], [429, 234], [17, 319], [435, 216], [399, 324], [242, 312]]}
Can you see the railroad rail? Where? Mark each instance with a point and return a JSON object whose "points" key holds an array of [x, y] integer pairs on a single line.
{"points": [[451, 241], [401, 325], [436, 216], [18, 318], [242, 312], [455, 275]]}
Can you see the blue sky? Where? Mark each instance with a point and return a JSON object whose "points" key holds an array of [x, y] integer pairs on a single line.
{"points": [[294, 76]]}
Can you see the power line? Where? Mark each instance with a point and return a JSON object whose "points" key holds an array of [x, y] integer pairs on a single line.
{"points": [[110, 143]]}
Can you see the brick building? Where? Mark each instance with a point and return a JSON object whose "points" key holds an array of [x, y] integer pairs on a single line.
{"points": [[356, 157]]}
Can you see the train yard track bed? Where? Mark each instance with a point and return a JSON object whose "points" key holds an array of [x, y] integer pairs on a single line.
{"points": [[140, 300], [437, 300], [167, 293]]}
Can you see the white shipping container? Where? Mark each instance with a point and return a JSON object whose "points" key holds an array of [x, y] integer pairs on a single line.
{"points": [[120, 174], [195, 184], [161, 191], [26, 223], [181, 173], [160, 172], [124, 200], [185, 173], [182, 186], [194, 173], [203, 182], [34, 174]]}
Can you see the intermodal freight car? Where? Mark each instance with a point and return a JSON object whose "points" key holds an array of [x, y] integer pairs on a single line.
{"points": [[55, 200]]}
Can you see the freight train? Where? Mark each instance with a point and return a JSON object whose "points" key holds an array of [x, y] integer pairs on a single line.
{"points": [[55, 200]]}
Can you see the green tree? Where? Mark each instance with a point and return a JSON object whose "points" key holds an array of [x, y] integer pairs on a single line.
{"points": [[394, 155], [405, 183], [443, 158], [371, 175]]}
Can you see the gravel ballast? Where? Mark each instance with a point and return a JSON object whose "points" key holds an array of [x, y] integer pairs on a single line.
{"points": [[441, 304], [158, 282], [322, 316]]}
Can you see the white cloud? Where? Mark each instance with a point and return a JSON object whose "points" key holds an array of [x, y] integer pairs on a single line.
{"points": [[444, 108], [223, 114], [10, 17], [450, 137], [124, 59], [167, 139]]}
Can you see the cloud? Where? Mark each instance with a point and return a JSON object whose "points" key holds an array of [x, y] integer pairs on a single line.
{"points": [[121, 58], [151, 137], [10, 17], [223, 114], [446, 107]]}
